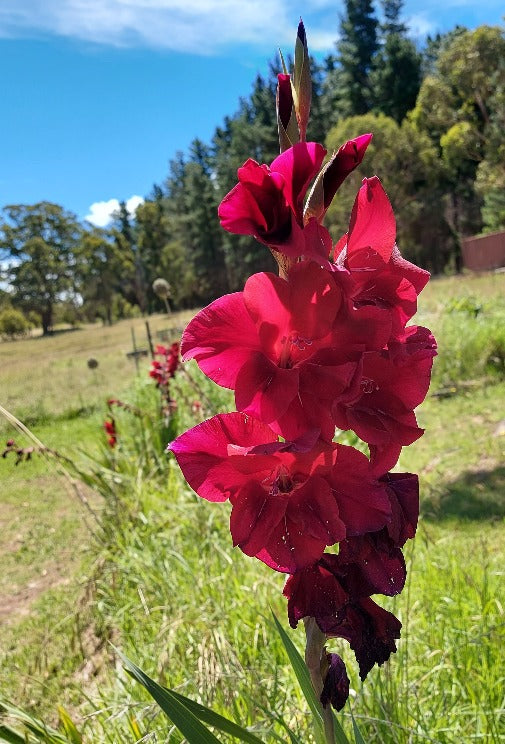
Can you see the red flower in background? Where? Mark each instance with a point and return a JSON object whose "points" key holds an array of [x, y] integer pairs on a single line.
{"points": [[110, 429], [163, 371]]}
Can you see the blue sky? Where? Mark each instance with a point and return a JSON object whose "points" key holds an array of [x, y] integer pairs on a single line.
{"points": [[99, 95]]}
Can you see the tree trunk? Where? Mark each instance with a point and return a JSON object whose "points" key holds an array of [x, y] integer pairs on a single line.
{"points": [[47, 320]]}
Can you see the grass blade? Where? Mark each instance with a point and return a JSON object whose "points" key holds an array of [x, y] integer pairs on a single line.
{"points": [[69, 726], [216, 720], [358, 737], [187, 723], [37, 728], [303, 677], [10, 736]]}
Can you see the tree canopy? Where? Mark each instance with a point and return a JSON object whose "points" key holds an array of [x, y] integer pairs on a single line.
{"points": [[437, 115]]}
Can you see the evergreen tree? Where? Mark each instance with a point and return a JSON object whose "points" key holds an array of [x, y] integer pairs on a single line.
{"points": [[396, 77], [348, 88], [134, 280]]}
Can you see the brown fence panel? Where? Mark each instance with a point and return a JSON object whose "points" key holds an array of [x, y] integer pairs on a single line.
{"points": [[484, 252]]}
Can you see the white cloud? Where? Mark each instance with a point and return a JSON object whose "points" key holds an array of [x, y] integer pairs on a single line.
{"points": [[198, 26], [101, 213], [420, 25]]}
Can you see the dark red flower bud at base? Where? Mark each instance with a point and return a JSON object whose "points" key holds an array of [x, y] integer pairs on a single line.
{"points": [[336, 683]]}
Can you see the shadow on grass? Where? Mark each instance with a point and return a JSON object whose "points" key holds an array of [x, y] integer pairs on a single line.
{"points": [[476, 495], [59, 332]]}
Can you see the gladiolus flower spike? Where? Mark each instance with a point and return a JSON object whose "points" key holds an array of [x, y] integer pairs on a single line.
{"points": [[326, 344]]}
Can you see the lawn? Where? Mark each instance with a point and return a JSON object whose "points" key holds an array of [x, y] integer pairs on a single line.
{"points": [[165, 585]]}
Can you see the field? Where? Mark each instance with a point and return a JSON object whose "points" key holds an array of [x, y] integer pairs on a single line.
{"points": [[116, 549]]}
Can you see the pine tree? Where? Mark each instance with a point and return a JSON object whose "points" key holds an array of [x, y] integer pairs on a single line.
{"points": [[356, 49], [396, 77]]}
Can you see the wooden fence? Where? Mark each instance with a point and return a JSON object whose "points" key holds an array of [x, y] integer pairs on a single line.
{"points": [[484, 252]]}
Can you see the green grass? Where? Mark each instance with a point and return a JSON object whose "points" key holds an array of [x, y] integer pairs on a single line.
{"points": [[48, 378], [173, 594]]}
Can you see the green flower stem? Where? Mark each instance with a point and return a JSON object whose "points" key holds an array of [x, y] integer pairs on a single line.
{"points": [[314, 655]]}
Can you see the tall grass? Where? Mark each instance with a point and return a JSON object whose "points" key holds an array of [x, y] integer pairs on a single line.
{"points": [[170, 591]]}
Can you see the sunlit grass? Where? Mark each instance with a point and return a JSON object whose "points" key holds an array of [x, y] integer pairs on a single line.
{"points": [[173, 594]]}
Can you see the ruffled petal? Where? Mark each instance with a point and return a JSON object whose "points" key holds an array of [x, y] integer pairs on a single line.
{"points": [[221, 338]]}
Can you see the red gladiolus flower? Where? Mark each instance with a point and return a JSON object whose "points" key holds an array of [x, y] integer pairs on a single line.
{"points": [[394, 382], [378, 274], [273, 344], [268, 203], [163, 371], [289, 501], [328, 593]]}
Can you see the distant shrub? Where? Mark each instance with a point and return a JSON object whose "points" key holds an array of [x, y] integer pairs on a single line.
{"points": [[13, 323], [470, 349], [34, 319], [469, 305], [122, 309]]}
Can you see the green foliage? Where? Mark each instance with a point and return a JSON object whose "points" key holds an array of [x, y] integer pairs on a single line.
{"points": [[40, 242], [346, 89], [461, 105], [13, 323], [410, 172], [396, 74]]}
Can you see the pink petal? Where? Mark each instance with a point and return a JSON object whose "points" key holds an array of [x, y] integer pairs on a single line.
{"points": [[263, 389], [221, 338], [298, 165], [372, 222], [203, 453]]}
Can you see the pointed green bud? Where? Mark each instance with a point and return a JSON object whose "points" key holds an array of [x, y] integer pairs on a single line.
{"points": [[302, 82]]}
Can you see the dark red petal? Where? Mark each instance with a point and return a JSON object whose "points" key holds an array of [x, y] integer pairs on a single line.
{"points": [[403, 491], [362, 501], [345, 160], [372, 565], [314, 592], [298, 166], [284, 99], [370, 630], [312, 508], [254, 517]]}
